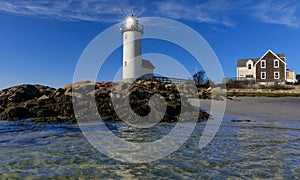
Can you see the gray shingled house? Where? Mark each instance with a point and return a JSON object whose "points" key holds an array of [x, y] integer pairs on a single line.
{"points": [[266, 70]]}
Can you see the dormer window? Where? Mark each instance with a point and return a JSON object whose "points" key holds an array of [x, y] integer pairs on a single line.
{"points": [[276, 63], [263, 64], [249, 66]]}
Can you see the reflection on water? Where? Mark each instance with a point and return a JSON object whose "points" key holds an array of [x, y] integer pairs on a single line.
{"points": [[237, 151]]}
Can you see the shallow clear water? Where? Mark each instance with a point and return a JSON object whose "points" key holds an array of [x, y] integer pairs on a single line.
{"points": [[239, 150]]}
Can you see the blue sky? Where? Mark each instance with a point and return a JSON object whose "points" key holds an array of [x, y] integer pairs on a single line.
{"points": [[41, 41]]}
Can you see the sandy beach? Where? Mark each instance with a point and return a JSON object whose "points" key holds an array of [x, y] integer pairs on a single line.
{"points": [[259, 108]]}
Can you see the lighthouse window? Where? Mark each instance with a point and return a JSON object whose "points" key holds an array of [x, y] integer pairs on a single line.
{"points": [[125, 36], [125, 63]]}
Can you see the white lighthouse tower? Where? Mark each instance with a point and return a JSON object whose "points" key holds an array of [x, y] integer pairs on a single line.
{"points": [[134, 66]]}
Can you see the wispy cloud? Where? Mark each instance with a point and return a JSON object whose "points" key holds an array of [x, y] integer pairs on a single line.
{"points": [[216, 12], [222, 12], [106, 10], [66, 10], [277, 12]]}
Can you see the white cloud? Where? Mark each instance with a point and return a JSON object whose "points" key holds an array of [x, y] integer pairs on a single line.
{"points": [[87, 10], [220, 12], [277, 12], [209, 12]]}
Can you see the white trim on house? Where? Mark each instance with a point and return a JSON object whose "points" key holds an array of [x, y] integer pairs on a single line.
{"points": [[254, 71], [276, 72], [261, 75], [277, 57], [276, 60], [263, 62], [249, 66], [285, 73], [237, 74]]}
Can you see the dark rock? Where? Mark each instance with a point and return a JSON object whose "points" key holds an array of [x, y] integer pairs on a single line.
{"points": [[3, 100], [59, 92], [29, 105], [30, 90], [15, 113], [46, 113], [45, 90], [53, 120], [242, 120], [50, 105], [1, 109], [22, 93]]}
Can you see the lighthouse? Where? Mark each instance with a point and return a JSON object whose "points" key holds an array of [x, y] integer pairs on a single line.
{"points": [[134, 67]]}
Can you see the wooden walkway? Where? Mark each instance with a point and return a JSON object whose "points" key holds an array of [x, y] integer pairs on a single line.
{"points": [[171, 80]]}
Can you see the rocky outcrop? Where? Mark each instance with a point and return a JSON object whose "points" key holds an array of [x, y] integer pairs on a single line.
{"points": [[46, 104], [16, 113]]}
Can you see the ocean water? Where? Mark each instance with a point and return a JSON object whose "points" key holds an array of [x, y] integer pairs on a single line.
{"points": [[238, 151]]}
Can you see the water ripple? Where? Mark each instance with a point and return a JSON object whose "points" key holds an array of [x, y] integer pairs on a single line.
{"points": [[246, 151]]}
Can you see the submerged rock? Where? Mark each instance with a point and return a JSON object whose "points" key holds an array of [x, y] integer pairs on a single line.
{"points": [[242, 120]]}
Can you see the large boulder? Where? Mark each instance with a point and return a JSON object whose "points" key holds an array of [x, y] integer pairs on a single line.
{"points": [[22, 93], [45, 90], [46, 113], [1, 109], [15, 113]]}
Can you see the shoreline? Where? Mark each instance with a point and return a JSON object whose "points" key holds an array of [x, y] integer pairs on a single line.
{"points": [[264, 92], [46, 104], [281, 109]]}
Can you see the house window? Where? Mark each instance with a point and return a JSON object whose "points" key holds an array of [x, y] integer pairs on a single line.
{"points": [[249, 66], [263, 63], [276, 75], [249, 76], [276, 63], [263, 75]]}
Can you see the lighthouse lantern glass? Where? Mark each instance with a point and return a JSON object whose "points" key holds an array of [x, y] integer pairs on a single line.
{"points": [[130, 22]]}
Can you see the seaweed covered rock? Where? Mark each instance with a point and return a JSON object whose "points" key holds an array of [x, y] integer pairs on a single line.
{"points": [[16, 113], [112, 101]]}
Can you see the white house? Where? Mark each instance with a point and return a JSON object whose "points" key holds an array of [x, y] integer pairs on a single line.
{"points": [[245, 69]]}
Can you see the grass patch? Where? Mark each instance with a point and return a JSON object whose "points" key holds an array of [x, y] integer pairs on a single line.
{"points": [[277, 87]]}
